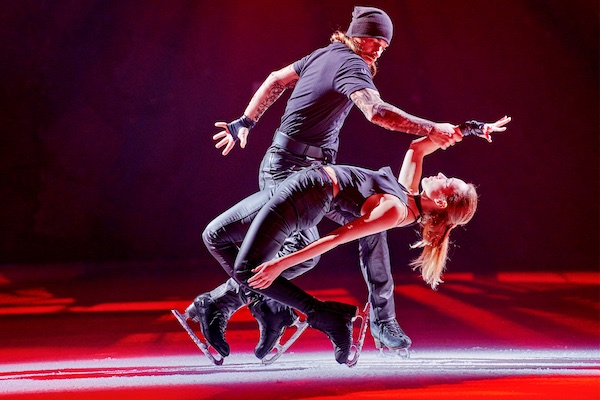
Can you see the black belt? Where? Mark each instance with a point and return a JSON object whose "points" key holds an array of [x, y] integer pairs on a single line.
{"points": [[297, 147]]}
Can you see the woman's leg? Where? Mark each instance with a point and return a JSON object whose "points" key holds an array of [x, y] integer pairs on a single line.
{"points": [[277, 165], [272, 316], [222, 237], [224, 234], [299, 203]]}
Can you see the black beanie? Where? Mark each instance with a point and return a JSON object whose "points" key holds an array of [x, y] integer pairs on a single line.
{"points": [[370, 22]]}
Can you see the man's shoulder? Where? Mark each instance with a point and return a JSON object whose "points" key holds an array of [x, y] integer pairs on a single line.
{"points": [[335, 50]]}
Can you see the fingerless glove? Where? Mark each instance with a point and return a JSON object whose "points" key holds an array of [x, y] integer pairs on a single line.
{"points": [[472, 127], [243, 122]]}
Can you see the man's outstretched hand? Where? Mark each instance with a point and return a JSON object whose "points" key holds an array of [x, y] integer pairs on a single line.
{"points": [[226, 140]]}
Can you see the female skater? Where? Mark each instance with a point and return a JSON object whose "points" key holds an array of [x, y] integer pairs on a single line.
{"points": [[380, 202]]}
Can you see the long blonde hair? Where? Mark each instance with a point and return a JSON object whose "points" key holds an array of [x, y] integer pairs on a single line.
{"points": [[354, 45], [435, 235]]}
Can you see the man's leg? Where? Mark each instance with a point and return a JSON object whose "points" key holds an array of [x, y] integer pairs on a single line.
{"points": [[377, 272]]}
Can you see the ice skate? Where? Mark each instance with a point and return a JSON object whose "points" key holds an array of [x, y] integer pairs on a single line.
{"points": [[335, 320], [389, 334], [212, 322], [282, 348], [203, 346], [273, 319], [357, 344]]}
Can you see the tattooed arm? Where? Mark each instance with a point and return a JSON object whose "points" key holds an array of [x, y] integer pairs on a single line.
{"points": [[270, 90], [390, 117]]}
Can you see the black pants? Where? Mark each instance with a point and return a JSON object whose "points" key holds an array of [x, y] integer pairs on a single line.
{"points": [[299, 203], [224, 235]]}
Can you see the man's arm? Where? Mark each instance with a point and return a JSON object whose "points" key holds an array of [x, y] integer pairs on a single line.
{"points": [[390, 117], [268, 92]]}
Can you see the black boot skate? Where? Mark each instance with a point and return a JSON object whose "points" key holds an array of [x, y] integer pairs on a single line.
{"points": [[335, 320], [389, 334], [271, 324], [213, 322]]}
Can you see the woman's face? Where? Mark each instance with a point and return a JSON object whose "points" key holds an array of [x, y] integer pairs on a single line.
{"points": [[371, 48], [440, 186]]}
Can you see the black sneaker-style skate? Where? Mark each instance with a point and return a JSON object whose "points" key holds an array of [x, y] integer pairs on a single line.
{"points": [[216, 359], [212, 325], [335, 320], [389, 334], [272, 325], [212, 322]]}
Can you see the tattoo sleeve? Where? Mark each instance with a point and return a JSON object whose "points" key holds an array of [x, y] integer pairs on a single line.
{"points": [[387, 116], [265, 96]]}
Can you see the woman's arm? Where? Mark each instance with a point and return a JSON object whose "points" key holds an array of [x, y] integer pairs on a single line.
{"points": [[268, 92], [412, 166], [383, 212]]}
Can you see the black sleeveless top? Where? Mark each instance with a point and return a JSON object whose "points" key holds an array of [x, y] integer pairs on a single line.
{"points": [[356, 184]]}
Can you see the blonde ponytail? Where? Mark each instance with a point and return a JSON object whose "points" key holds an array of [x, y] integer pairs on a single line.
{"points": [[435, 235]]}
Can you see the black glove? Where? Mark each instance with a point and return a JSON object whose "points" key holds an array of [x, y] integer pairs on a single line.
{"points": [[472, 127], [243, 122]]}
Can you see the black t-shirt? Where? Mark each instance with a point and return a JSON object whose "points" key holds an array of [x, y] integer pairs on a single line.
{"points": [[320, 102], [357, 184]]}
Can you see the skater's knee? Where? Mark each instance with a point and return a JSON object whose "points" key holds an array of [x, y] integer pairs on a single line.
{"points": [[211, 236]]}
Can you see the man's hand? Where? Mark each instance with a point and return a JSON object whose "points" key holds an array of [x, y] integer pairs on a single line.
{"points": [[483, 130], [225, 139], [445, 135], [497, 126]]}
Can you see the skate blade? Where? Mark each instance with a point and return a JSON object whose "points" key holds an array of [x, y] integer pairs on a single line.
{"points": [[204, 347], [280, 349], [397, 353], [357, 345]]}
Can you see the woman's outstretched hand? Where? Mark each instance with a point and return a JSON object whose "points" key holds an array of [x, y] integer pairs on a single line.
{"points": [[265, 274], [497, 126]]}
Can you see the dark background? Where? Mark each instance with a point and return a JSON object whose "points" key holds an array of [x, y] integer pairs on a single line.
{"points": [[107, 112]]}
